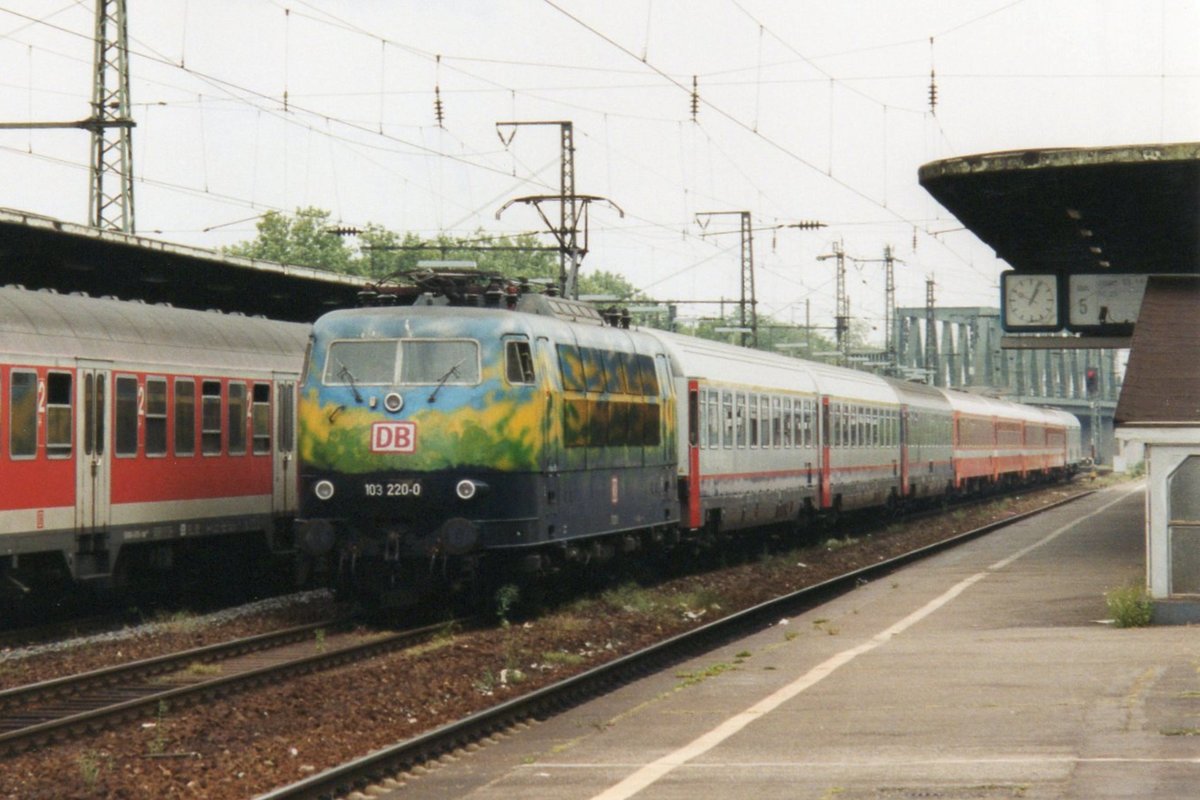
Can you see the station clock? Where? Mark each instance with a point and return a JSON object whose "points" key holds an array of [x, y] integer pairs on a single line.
{"points": [[1030, 301]]}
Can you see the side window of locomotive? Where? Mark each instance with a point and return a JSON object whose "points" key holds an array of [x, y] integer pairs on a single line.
{"points": [[156, 417], [361, 363], [58, 415], [237, 419], [185, 417], [22, 414], [260, 418], [615, 381], [571, 367], [126, 431], [593, 369], [210, 418], [649, 375], [518, 362], [448, 362], [632, 372]]}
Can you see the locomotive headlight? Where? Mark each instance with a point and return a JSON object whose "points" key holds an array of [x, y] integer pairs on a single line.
{"points": [[323, 490], [393, 402], [466, 489]]}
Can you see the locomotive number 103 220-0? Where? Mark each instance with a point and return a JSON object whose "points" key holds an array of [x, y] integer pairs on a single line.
{"points": [[393, 489]]}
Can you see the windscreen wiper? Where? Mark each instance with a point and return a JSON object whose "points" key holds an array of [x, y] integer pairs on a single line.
{"points": [[442, 382], [345, 374]]}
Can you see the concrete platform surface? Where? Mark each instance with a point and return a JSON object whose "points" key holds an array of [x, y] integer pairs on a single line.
{"points": [[986, 672]]}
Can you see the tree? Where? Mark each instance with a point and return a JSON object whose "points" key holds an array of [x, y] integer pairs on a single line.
{"points": [[305, 239]]}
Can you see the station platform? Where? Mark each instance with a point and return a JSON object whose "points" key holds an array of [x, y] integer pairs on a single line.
{"points": [[987, 672]]}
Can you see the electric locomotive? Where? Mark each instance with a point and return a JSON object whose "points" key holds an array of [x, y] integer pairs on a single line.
{"points": [[514, 424]]}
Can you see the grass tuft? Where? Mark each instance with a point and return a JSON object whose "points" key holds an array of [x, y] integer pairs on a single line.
{"points": [[1130, 606]]}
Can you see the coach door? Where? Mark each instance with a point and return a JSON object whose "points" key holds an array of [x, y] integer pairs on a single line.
{"points": [[284, 455], [94, 461]]}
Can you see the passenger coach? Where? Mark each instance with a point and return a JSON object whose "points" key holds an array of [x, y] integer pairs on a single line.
{"points": [[128, 431]]}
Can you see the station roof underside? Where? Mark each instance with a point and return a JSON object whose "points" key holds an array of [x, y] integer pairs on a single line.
{"points": [[42, 253], [1125, 210]]}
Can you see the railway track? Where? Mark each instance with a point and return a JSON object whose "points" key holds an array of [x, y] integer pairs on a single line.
{"points": [[63, 708], [388, 766]]}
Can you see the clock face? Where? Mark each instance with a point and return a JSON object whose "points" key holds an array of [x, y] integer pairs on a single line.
{"points": [[1030, 301]]}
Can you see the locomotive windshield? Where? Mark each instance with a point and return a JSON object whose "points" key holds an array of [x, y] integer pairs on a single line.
{"points": [[391, 362]]}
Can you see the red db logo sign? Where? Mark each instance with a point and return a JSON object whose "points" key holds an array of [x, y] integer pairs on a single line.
{"points": [[393, 437]]}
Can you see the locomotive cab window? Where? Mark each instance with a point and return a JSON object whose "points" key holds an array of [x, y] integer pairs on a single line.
{"points": [[439, 361], [58, 415], [518, 362], [367, 363]]}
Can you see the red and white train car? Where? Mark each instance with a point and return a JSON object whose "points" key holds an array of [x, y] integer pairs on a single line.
{"points": [[769, 439], [129, 430]]}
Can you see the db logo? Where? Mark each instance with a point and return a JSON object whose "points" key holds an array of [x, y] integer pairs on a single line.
{"points": [[393, 437]]}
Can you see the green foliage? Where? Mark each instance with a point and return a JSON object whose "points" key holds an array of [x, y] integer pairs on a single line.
{"points": [[1130, 606], [506, 598], [304, 239]]}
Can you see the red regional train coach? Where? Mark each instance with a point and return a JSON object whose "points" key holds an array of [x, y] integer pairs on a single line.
{"points": [[129, 431]]}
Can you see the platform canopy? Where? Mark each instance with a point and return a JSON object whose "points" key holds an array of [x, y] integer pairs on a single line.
{"points": [[43, 253], [1125, 210]]}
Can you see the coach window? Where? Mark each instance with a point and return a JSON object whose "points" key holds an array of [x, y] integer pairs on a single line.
{"points": [[237, 419], [518, 362], [739, 420], [185, 417], [127, 416], [156, 416], [727, 417], [287, 415], [714, 419], [58, 415], [753, 420], [260, 418], [788, 422], [210, 418], [22, 414]]}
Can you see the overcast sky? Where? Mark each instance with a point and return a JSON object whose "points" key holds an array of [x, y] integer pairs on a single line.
{"points": [[807, 111]]}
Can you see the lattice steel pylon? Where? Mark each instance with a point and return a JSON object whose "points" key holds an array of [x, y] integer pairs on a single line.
{"points": [[110, 199]]}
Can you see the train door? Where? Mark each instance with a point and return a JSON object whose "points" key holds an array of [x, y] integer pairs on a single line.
{"points": [[92, 471], [284, 456], [904, 437], [551, 430], [826, 499]]}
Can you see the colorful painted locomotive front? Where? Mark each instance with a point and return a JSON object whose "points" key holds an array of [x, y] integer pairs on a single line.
{"points": [[430, 435], [413, 423]]}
